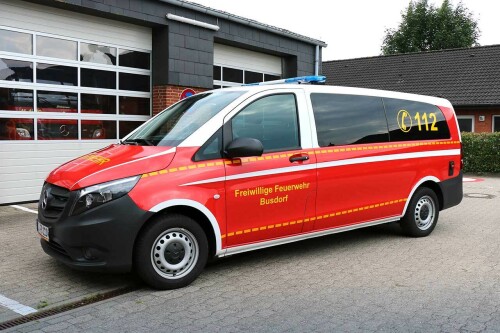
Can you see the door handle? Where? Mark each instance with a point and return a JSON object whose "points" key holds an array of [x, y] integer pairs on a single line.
{"points": [[299, 158]]}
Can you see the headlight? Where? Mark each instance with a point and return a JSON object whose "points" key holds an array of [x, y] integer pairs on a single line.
{"points": [[96, 195], [23, 133], [97, 133]]}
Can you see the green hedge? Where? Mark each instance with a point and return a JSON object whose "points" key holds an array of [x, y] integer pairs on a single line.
{"points": [[481, 152]]}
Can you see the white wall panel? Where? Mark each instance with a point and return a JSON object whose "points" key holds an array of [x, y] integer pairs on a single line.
{"points": [[244, 59], [24, 166], [29, 16]]}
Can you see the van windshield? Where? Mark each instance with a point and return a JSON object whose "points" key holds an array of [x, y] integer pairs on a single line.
{"points": [[176, 123]]}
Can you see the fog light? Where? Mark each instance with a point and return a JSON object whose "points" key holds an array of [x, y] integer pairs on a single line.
{"points": [[88, 253]]}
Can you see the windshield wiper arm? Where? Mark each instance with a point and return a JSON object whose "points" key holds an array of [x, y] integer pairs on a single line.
{"points": [[137, 142], [127, 142]]}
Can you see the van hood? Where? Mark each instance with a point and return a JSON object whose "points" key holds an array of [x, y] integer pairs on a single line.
{"points": [[111, 163]]}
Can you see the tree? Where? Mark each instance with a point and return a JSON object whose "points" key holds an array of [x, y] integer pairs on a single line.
{"points": [[426, 28]]}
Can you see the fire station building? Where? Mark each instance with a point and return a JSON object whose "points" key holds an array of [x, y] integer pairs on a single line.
{"points": [[77, 75]]}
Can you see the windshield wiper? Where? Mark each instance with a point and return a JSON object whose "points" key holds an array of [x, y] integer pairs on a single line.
{"points": [[137, 142]]}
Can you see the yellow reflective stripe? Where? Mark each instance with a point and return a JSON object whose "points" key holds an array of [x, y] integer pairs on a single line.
{"points": [[313, 218]]}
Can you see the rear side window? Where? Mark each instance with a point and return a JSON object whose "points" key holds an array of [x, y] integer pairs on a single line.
{"points": [[409, 121], [272, 120], [349, 119]]}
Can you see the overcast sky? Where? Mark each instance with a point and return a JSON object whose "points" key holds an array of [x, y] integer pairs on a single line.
{"points": [[352, 28]]}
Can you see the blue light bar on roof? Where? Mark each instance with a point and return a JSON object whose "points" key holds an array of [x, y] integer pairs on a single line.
{"points": [[312, 79]]}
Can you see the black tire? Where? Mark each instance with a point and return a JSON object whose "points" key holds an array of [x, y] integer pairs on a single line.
{"points": [[422, 213], [170, 252]]}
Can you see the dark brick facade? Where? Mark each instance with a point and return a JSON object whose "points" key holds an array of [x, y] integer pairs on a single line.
{"points": [[191, 55]]}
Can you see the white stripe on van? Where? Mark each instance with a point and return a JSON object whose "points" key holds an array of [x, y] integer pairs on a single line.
{"points": [[392, 157], [351, 161]]}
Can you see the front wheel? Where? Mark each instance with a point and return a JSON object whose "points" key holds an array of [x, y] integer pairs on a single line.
{"points": [[171, 252], [422, 213]]}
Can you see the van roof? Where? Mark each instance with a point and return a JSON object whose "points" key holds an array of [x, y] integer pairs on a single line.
{"points": [[315, 88]]}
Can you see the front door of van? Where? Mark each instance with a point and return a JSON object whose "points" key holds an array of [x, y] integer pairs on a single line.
{"points": [[268, 196]]}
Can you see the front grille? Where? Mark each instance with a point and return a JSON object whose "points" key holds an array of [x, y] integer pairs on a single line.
{"points": [[55, 198]]}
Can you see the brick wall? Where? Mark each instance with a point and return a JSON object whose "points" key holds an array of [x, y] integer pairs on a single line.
{"points": [[166, 95], [487, 112]]}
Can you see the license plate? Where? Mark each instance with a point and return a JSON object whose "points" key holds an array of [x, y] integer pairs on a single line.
{"points": [[43, 231]]}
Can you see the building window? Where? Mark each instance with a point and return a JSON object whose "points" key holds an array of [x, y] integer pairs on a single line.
{"points": [[135, 82], [98, 54], [56, 74], [56, 48], [16, 70], [217, 73], [101, 104], [58, 88], [253, 77], [134, 59], [231, 77], [270, 77], [17, 42], [466, 123], [57, 129], [55, 101], [96, 78], [13, 99], [95, 129], [134, 105], [128, 126], [496, 123], [17, 129]]}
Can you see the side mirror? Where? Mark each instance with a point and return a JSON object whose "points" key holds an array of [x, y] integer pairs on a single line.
{"points": [[244, 147]]}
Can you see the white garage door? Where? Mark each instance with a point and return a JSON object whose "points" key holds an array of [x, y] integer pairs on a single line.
{"points": [[234, 66], [69, 84]]}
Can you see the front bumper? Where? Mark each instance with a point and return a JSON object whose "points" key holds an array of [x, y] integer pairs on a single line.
{"points": [[101, 239]]}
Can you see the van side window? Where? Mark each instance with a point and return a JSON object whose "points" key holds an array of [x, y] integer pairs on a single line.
{"points": [[211, 149], [272, 120], [349, 119], [409, 120]]}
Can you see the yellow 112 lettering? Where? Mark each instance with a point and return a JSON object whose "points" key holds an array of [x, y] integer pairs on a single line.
{"points": [[425, 119]]}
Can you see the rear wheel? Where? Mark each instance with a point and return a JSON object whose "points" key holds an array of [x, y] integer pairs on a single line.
{"points": [[171, 252], [422, 213]]}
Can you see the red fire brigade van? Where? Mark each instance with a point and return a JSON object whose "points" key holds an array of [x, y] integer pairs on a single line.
{"points": [[239, 169]]}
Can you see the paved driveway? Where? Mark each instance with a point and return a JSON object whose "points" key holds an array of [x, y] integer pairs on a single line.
{"points": [[370, 280]]}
